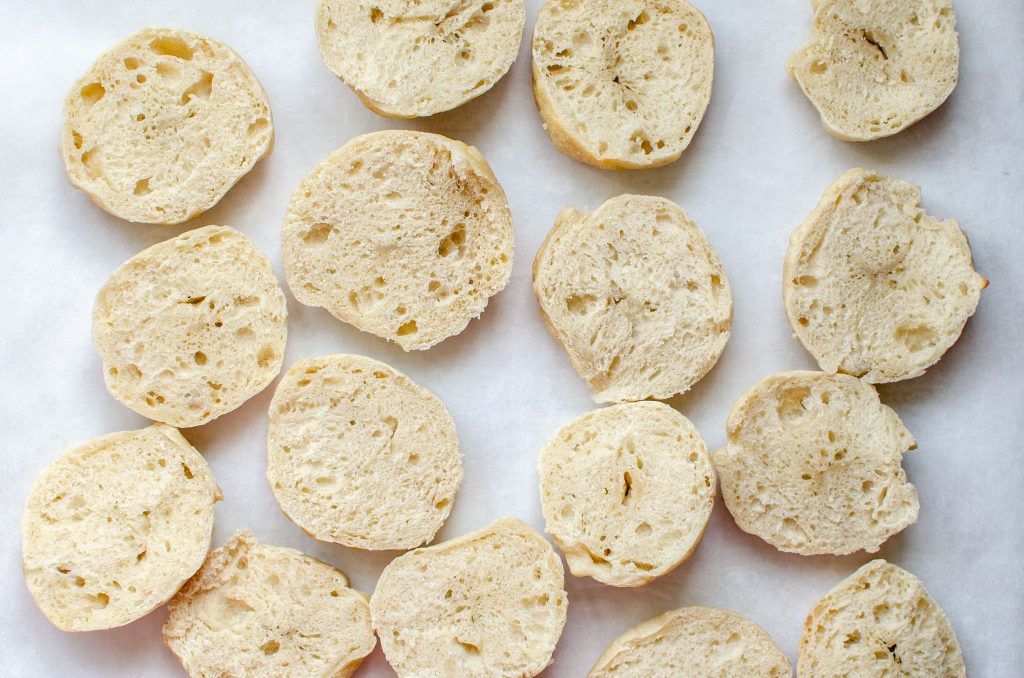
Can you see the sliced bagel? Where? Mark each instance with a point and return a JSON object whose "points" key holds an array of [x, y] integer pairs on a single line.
{"points": [[636, 296], [192, 327], [813, 465], [879, 621], [359, 454], [406, 59], [627, 491], [694, 642], [872, 68], [405, 235], [490, 603], [163, 125], [873, 285], [114, 527], [268, 611], [622, 84]]}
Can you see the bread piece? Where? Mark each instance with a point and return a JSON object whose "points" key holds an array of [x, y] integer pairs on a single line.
{"points": [[490, 603], [622, 84], [812, 465], [406, 59], [872, 68], [627, 491], [635, 295], [694, 642], [114, 527], [403, 234], [359, 454], [879, 621], [257, 610], [191, 328], [163, 125], [874, 286]]}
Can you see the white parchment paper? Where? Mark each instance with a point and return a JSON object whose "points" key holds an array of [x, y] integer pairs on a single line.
{"points": [[757, 166]]}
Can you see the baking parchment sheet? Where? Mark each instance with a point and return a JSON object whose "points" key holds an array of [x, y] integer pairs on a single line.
{"points": [[756, 167]]}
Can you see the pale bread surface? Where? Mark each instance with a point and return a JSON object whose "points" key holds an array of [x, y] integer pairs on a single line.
{"points": [[266, 611], [813, 465], [359, 454], [163, 125], [879, 621], [191, 328], [490, 603], [405, 235], [622, 84], [872, 68], [636, 296], [873, 285], [114, 527], [406, 59], [694, 642], [626, 491]]}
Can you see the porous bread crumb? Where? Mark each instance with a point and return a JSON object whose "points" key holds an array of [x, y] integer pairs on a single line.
{"points": [[636, 296], [874, 286], [405, 235], [114, 527], [872, 68], [191, 328], [267, 611], [813, 465], [490, 603], [405, 60], [163, 124], [622, 84], [626, 492], [359, 454]]}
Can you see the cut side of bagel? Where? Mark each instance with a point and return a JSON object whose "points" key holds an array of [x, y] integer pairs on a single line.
{"points": [[627, 491], [114, 527], [694, 642], [636, 296], [192, 327], [490, 603], [267, 611], [873, 285], [359, 454], [879, 621], [874, 67], [813, 465], [405, 235], [163, 125], [622, 84], [406, 59]]}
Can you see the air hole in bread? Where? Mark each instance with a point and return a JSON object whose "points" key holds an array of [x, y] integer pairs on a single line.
{"points": [[199, 358], [265, 356], [201, 88], [407, 328], [318, 234], [93, 92], [172, 47], [258, 127], [142, 187], [272, 646]]}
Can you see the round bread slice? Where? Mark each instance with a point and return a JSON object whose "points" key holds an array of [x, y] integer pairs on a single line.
{"points": [[636, 296], [490, 603], [813, 465], [872, 68], [114, 527], [879, 621], [191, 328], [359, 454], [409, 59], [163, 125], [874, 286], [622, 85], [405, 235], [694, 642], [627, 491], [267, 611]]}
